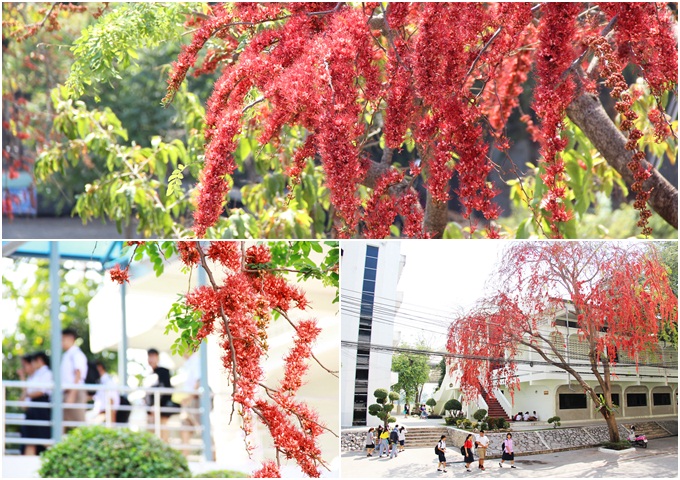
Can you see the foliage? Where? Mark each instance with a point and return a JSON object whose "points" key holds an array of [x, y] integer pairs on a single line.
{"points": [[134, 186], [383, 407], [221, 474], [452, 406], [431, 402], [239, 307], [479, 415], [555, 421], [109, 46], [413, 370], [595, 282], [450, 420], [90, 452]]}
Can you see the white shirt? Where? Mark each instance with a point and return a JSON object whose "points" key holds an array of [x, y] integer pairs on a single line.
{"points": [[72, 360], [483, 441], [402, 434], [192, 367], [41, 375], [526, 417], [442, 444], [102, 397]]}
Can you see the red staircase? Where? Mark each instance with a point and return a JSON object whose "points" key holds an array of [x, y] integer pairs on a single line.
{"points": [[495, 408]]}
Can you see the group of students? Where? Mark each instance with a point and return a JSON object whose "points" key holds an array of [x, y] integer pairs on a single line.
{"points": [[75, 370], [481, 442], [390, 442], [526, 417]]}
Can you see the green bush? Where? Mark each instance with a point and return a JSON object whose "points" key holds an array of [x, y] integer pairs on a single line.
{"points": [[431, 402], [103, 452], [451, 421], [479, 415], [222, 474], [492, 422], [467, 423], [502, 423]]}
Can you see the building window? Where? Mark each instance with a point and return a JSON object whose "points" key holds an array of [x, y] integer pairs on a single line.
{"points": [[573, 401], [365, 328], [661, 399], [616, 399], [636, 399]]}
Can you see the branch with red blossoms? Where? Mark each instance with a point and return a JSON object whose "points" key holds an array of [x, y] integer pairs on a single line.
{"points": [[238, 309]]}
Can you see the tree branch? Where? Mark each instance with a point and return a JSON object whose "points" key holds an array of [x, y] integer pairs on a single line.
{"points": [[587, 113]]}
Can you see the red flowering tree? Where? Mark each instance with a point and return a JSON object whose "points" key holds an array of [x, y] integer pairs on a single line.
{"points": [[443, 78], [238, 306], [401, 119], [619, 296]]}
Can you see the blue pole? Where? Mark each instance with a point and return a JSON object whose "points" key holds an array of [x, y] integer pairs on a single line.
{"points": [[123, 345], [205, 388], [55, 360]]}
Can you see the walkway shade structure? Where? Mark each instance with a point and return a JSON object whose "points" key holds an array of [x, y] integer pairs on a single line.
{"points": [[106, 254]]}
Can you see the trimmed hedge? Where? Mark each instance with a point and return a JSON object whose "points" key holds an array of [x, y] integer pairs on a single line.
{"points": [[107, 453]]}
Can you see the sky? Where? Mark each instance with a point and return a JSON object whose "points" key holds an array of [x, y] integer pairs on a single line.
{"points": [[440, 279]]}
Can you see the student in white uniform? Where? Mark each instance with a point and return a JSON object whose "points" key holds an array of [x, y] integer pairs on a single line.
{"points": [[73, 372]]}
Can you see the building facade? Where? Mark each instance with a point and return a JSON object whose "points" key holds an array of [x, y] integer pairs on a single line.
{"points": [[370, 299]]}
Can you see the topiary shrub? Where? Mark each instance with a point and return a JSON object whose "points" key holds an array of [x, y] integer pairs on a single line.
{"points": [[492, 423], [451, 420], [555, 421], [104, 452], [222, 474], [431, 402], [453, 405], [479, 415]]}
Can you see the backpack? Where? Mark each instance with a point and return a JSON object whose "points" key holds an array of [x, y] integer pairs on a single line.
{"points": [[503, 447], [394, 437], [436, 449], [462, 450]]}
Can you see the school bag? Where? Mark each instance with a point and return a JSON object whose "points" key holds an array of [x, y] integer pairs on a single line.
{"points": [[462, 450], [436, 449], [394, 437]]}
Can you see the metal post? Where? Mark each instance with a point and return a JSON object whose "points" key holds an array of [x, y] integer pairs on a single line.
{"points": [[205, 388], [122, 346], [157, 413], [55, 359]]}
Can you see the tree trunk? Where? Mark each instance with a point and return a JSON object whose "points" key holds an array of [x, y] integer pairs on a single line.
{"points": [[587, 113], [613, 427]]}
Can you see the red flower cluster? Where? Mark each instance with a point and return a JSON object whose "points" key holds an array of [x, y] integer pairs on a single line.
{"points": [[119, 275], [611, 70], [269, 470], [552, 94]]}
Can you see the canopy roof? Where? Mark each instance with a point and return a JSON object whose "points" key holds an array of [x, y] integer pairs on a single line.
{"points": [[106, 253]]}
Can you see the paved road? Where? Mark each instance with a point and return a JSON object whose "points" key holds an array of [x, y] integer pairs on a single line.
{"points": [[660, 460]]}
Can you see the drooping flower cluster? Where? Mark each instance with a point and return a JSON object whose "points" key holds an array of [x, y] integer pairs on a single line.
{"points": [[552, 94], [611, 70]]}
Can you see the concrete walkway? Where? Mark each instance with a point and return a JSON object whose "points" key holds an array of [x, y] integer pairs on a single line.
{"points": [[660, 460]]}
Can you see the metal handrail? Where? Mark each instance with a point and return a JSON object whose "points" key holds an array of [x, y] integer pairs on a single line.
{"points": [[156, 409]]}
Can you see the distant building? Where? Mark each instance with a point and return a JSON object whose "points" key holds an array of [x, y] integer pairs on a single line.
{"points": [[370, 300], [649, 390]]}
